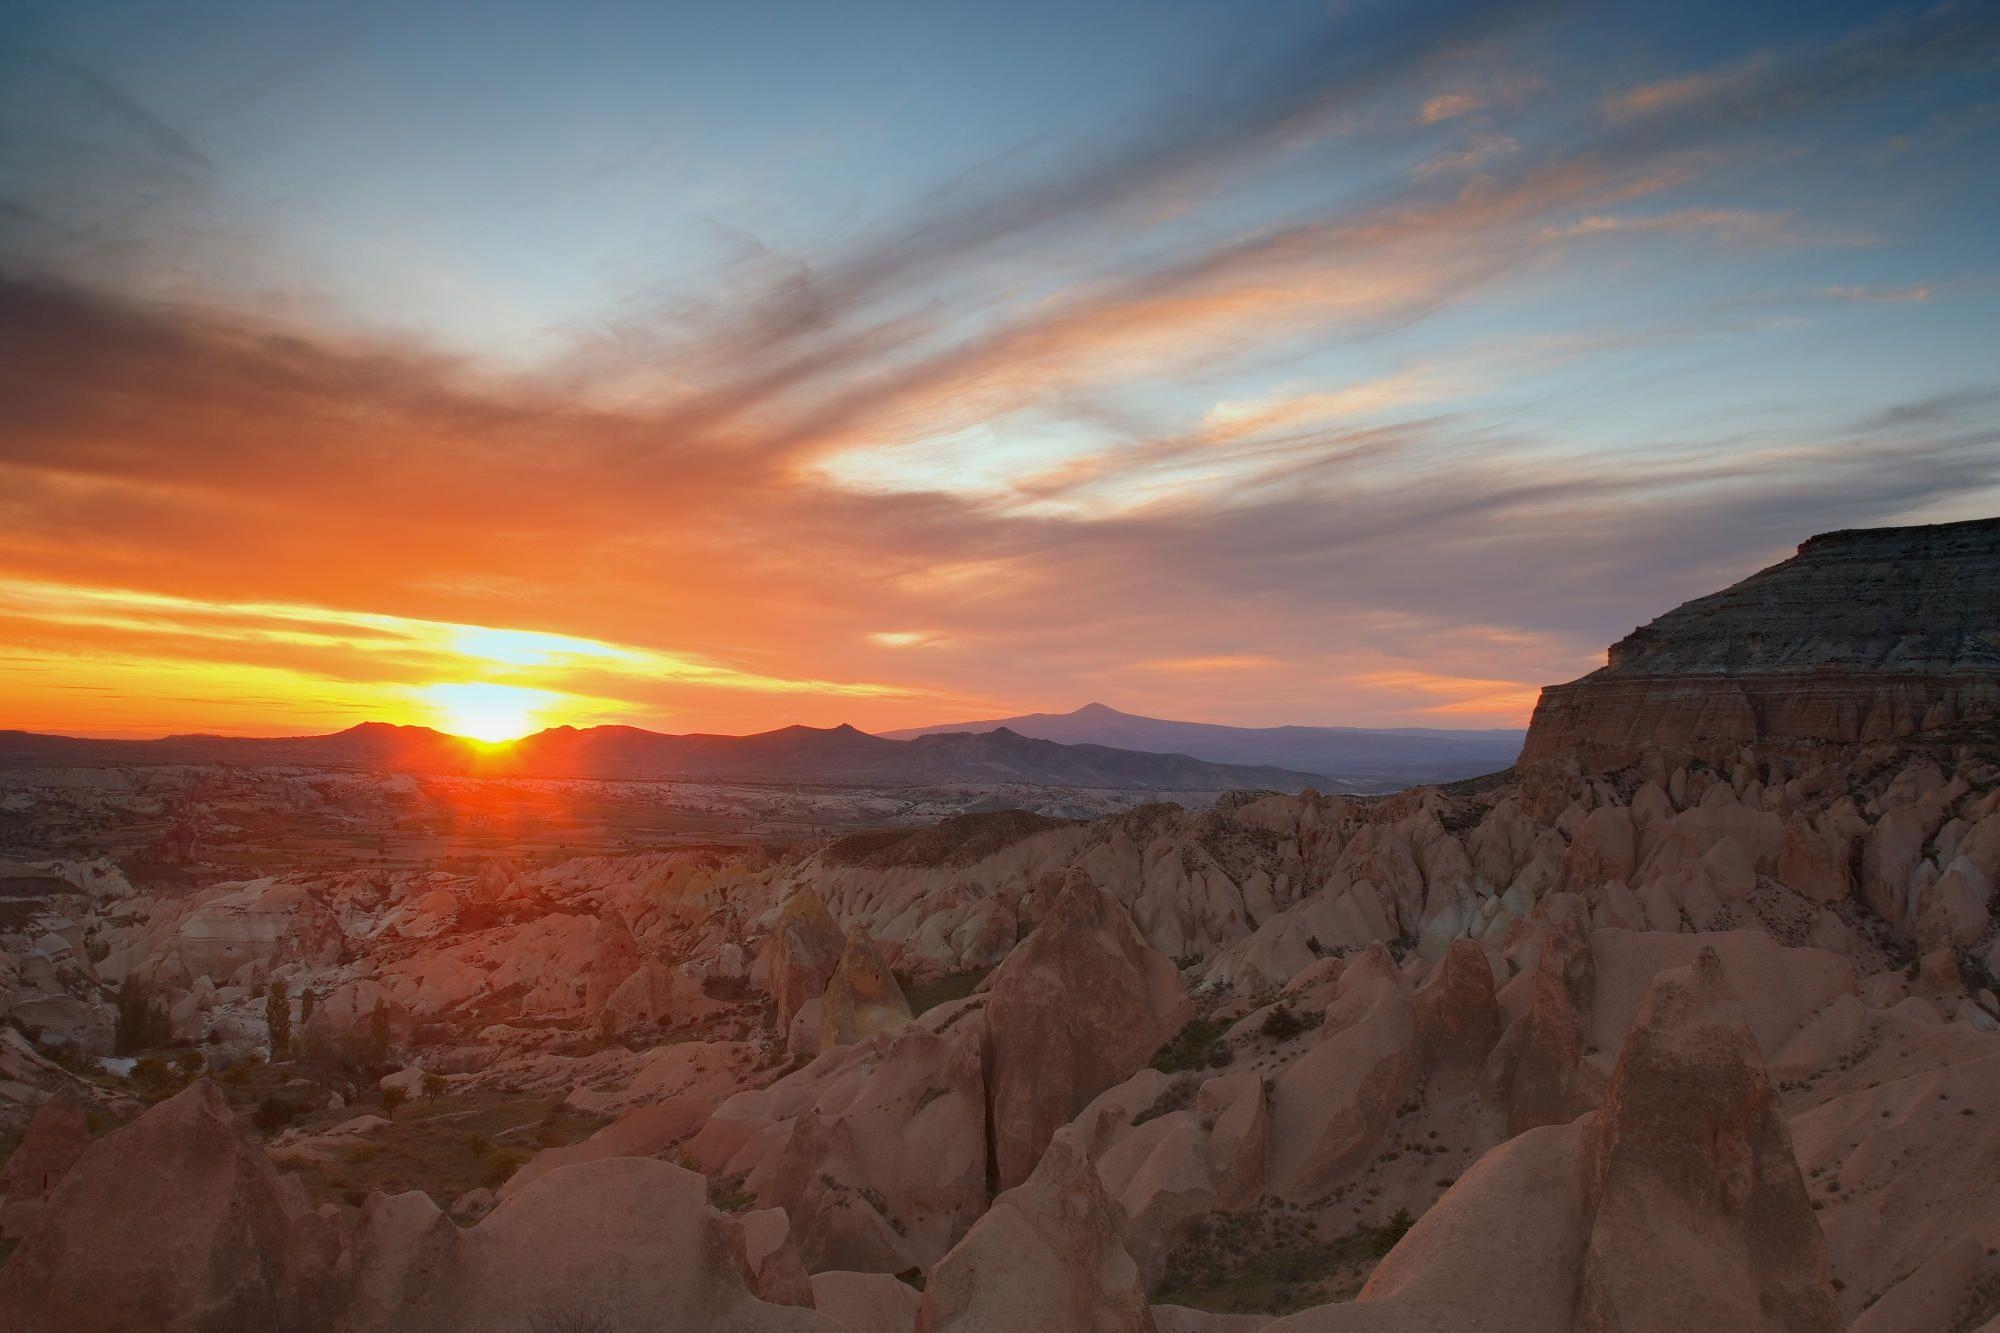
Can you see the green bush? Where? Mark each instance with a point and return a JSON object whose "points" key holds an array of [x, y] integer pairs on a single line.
{"points": [[1196, 1046], [1281, 1024], [142, 1024]]}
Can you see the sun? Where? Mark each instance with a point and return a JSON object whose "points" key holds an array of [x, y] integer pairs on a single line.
{"points": [[487, 712]]}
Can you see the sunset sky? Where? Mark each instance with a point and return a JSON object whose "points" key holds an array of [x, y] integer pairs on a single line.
{"points": [[716, 366]]}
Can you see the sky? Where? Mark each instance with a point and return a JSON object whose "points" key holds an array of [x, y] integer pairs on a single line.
{"points": [[719, 366]]}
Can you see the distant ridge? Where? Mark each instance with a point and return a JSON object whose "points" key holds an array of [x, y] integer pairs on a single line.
{"points": [[1395, 755], [840, 754], [1866, 634]]}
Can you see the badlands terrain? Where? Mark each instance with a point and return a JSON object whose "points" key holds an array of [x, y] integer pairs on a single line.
{"points": [[1686, 1021]]}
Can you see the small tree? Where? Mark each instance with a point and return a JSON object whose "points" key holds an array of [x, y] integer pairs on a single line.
{"points": [[378, 1032], [434, 1086], [305, 1007], [278, 1017], [142, 1024], [393, 1096]]}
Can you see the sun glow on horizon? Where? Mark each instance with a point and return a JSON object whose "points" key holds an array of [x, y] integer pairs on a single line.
{"points": [[483, 711]]}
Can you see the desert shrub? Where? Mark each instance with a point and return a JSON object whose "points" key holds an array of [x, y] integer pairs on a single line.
{"points": [[434, 1086], [275, 1113], [1193, 1047], [393, 1097], [378, 1033], [278, 1018], [569, 1319], [1384, 1237], [1281, 1024], [155, 1080], [142, 1023], [500, 1164], [1178, 1095]]}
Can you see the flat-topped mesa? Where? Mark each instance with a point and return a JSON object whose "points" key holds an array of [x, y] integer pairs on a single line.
{"points": [[1864, 635]]}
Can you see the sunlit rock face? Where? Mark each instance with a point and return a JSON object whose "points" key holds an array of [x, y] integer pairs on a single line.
{"points": [[1863, 635]]}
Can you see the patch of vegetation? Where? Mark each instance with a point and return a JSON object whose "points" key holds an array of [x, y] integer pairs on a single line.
{"points": [[274, 1113], [1272, 1260], [958, 841], [570, 1319], [1176, 1096], [154, 1078], [924, 995], [1199, 1045], [444, 1148], [727, 1195], [142, 1022], [1281, 1024]]}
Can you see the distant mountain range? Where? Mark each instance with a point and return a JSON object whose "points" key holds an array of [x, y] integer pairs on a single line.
{"points": [[840, 755], [1397, 755]]}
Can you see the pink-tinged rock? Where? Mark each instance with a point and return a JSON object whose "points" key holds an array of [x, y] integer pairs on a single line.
{"points": [[1458, 1017], [1332, 1106], [866, 1302], [173, 1222], [1077, 1007], [806, 946], [56, 1136], [1500, 1252], [651, 1131], [876, 1151], [658, 994], [861, 999], [1046, 1255], [342, 1025], [1889, 858], [1902, 1171], [622, 1245], [1700, 1217], [1815, 860], [1605, 848], [762, 1242], [1534, 1069], [614, 956], [802, 1034], [1934, 1295]]}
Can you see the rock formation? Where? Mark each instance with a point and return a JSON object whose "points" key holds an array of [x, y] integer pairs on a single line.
{"points": [[806, 946], [862, 998], [1079, 1006], [56, 1136], [1046, 1255], [173, 1222], [1863, 635]]}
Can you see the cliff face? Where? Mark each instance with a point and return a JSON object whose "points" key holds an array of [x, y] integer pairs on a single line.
{"points": [[1863, 635]]}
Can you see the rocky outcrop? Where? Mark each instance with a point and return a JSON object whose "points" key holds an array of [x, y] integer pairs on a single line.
{"points": [[1862, 636], [806, 946], [56, 1136], [1700, 1216], [862, 998], [1079, 1006], [1677, 1205], [173, 1222], [876, 1151], [1045, 1256], [345, 1025], [620, 1245]]}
